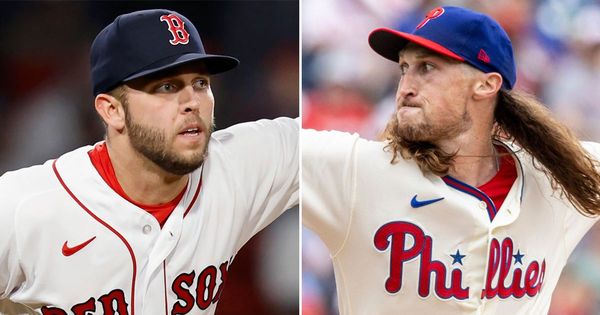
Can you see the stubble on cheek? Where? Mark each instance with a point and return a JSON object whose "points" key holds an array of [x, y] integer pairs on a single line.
{"points": [[157, 146]]}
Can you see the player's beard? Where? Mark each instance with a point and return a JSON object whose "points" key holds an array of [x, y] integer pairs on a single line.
{"points": [[430, 131], [151, 143]]}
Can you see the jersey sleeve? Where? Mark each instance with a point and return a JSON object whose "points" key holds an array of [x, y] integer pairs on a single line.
{"points": [[11, 276], [328, 178], [265, 166], [576, 224]]}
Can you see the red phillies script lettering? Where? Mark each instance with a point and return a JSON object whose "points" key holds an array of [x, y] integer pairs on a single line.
{"points": [[499, 263], [112, 303], [205, 295], [407, 242], [177, 29], [394, 236], [433, 14]]}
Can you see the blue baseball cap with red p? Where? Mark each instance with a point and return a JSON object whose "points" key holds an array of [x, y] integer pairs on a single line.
{"points": [[145, 42], [458, 33]]}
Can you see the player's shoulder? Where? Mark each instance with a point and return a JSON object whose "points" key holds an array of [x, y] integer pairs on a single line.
{"points": [[251, 143], [311, 137], [26, 176], [333, 143], [28, 181], [592, 147], [259, 128], [248, 137], [330, 140], [18, 185]]}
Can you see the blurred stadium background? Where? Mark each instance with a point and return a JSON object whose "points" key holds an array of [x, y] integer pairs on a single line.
{"points": [[346, 86], [46, 105]]}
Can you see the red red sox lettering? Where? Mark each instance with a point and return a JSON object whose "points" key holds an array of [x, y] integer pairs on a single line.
{"points": [[177, 29], [203, 294], [205, 286], [393, 236]]}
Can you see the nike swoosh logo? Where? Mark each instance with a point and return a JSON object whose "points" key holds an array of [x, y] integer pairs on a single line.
{"points": [[68, 251], [418, 204]]}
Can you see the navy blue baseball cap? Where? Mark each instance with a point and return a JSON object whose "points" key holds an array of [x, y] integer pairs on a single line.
{"points": [[458, 33], [144, 42]]}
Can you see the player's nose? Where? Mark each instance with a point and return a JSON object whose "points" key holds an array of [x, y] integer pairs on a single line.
{"points": [[406, 88], [188, 100]]}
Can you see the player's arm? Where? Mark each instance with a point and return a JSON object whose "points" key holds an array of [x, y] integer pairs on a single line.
{"points": [[11, 276], [266, 169], [328, 178]]}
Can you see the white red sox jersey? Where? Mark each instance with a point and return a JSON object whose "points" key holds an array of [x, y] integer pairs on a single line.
{"points": [[69, 244], [403, 242]]}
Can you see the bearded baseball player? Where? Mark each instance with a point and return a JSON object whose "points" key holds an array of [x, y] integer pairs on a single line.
{"points": [[149, 220], [477, 197]]}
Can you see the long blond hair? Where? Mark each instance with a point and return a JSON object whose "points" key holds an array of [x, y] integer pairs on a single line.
{"points": [[521, 118]]}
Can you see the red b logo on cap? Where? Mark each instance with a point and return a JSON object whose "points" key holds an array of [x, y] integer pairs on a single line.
{"points": [[433, 14], [176, 27]]}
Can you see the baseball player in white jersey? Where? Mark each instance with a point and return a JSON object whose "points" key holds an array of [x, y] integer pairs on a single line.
{"points": [[477, 197], [148, 221]]}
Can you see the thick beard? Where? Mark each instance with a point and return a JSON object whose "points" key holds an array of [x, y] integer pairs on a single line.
{"points": [[151, 143], [430, 132]]}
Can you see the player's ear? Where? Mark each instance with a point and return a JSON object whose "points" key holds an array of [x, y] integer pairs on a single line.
{"points": [[487, 86], [111, 110]]}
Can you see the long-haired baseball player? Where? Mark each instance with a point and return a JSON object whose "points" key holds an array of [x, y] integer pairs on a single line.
{"points": [[477, 197], [149, 220]]}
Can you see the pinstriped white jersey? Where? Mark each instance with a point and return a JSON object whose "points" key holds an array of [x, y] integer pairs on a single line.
{"points": [[403, 242], [69, 244]]}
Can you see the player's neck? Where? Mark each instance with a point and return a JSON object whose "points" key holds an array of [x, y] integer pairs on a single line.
{"points": [[142, 180], [476, 161]]}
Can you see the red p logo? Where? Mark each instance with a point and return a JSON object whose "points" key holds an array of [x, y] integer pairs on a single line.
{"points": [[176, 27], [433, 14]]}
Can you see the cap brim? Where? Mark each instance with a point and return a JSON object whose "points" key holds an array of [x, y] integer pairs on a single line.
{"points": [[213, 64], [388, 43]]}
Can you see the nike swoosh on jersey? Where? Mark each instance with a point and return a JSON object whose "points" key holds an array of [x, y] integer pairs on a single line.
{"points": [[68, 251], [418, 204]]}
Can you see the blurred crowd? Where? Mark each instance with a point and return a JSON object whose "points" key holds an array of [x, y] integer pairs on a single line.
{"points": [[346, 86], [46, 105]]}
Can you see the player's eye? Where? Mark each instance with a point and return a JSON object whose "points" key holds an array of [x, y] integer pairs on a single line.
{"points": [[426, 67], [166, 87], [201, 83], [403, 69]]}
